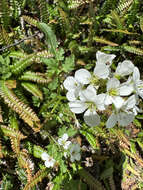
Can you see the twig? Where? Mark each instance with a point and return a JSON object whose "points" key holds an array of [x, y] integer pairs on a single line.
{"points": [[16, 43]]}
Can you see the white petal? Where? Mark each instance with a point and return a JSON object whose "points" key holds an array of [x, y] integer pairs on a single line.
{"points": [[91, 88], [65, 137], [70, 83], [108, 100], [77, 106], [100, 101], [72, 158], [125, 68], [67, 144], [71, 95], [91, 118], [139, 86], [103, 58], [125, 119], [83, 76], [77, 157], [112, 120], [101, 70], [118, 102], [113, 83], [136, 74], [60, 140], [77, 147], [49, 163], [130, 102], [125, 90], [88, 95], [44, 156]]}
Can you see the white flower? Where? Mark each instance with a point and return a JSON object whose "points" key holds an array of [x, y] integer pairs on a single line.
{"points": [[101, 70], [83, 76], [124, 113], [63, 141], [137, 83], [103, 58], [49, 161], [124, 68], [114, 88], [89, 101], [75, 152], [44, 156], [73, 86], [103, 63]]}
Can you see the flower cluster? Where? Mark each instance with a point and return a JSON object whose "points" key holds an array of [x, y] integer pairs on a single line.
{"points": [[74, 149], [94, 93], [49, 161]]}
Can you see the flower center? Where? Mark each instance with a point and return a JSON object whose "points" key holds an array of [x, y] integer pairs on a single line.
{"points": [[117, 76], [91, 105], [113, 92], [94, 80], [140, 86], [63, 142]]}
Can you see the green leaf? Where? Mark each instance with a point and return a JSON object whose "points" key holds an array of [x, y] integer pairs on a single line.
{"points": [[50, 37], [54, 84], [69, 64], [75, 185], [33, 89], [90, 138], [137, 123], [106, 173], [52, 65], [133, 147], [59, 54]]}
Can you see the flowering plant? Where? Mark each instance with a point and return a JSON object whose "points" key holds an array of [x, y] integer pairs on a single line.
{"points": [[124, 88]]}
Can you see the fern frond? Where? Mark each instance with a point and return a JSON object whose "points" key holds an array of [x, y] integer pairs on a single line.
{"points": [[17, 54], [4, 13], [134, 42], [43, 11], [11, 132], [43, 54], [112, 183], [33, 89], [104, 41], [30, 20], [141, 23], [19, 66], [123, 7], [24, 111], [20, 94], [1, 154], [24, 162], [118, 21], [13, 121], [90, 180], [132, 49], [35, 77], [40, 54], [90, 138], [15, 144], [1, 119], [5, 37], [72, 4], [119, 31], [15, 8], [36, 179], [28, 60]]}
